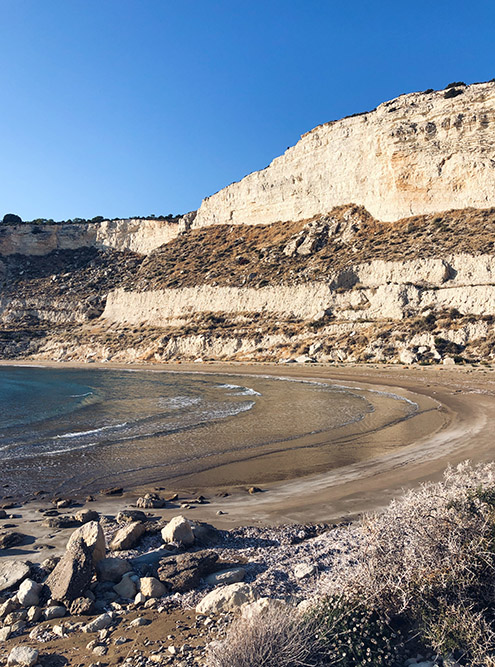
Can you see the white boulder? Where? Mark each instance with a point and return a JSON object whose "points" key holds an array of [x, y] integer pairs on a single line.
{"points": [[29, 593], [151, 587], [22, 656], [226, 598], [92, 535], [178, 530]]}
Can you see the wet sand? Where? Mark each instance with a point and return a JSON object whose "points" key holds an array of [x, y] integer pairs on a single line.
{"points": [[456, 421]]}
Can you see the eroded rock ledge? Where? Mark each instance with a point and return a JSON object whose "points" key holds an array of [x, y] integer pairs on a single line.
{"points": [[336, 287]]}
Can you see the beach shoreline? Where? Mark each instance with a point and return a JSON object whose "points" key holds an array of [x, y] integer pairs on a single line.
{"points": [[459, 428]]}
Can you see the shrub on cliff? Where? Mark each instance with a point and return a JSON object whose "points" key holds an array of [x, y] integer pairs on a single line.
{"points": [[452, 92], [11, 219]]}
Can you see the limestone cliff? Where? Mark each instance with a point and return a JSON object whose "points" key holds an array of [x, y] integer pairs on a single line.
{"points": [[141, 236], [397, 276], [417, 154], [334, 288]]}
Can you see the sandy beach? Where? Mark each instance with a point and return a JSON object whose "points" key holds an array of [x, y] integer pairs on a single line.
{"points": [[455, 421]]}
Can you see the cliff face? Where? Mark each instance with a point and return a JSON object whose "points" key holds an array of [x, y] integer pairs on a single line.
{"points": [[417, 154], [371, 292], [335, 288], [141, 236], [323, 284]]}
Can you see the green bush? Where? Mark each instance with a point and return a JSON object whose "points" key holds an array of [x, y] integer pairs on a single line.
{"points": [[350, 633], [11, 219], [452, 92]]}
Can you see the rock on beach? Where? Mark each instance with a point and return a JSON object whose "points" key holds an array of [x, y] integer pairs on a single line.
{"points": [[92, 535], [12, 572], [226, 598], [151, 587], [184, 572], [179, 531], [72, 574], [28, 594], [126, 537], [112, 569], [22, 656]]}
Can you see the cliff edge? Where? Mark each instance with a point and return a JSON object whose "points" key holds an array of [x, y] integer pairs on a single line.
{"points": [[417, 154]]}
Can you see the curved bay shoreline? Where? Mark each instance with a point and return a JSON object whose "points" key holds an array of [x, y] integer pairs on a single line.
{"points": [[455, 421]]}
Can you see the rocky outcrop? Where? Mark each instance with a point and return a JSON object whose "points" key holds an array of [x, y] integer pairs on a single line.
{"points": [[419, 153], [140, 236], [377, 290]]}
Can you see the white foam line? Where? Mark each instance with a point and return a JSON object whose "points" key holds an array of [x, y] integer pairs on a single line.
{"points": [[90, 432]]}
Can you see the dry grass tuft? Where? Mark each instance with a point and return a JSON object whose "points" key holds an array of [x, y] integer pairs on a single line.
{"points": [[275, 638]]}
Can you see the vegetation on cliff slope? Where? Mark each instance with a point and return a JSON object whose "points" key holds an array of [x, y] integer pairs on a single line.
{"points": [[287, 254]]}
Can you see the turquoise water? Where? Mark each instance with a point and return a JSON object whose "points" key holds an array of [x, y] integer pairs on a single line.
{"points": [[84, 429], [46, 411]]}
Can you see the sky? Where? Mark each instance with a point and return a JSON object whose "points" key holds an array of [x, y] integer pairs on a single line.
{"points": [[127, 108]]}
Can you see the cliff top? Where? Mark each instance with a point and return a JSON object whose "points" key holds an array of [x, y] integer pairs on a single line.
{"points": [[415, 100], [416, 154]]}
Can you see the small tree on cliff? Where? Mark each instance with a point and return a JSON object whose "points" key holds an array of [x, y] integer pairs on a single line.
{"points": [[11, 219]]}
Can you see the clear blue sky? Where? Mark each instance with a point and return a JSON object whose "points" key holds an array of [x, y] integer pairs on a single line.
{"points": [[132, 107]]}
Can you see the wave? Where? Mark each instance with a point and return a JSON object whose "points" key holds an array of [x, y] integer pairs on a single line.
{"points": [[244, 391], [178, 402], [78, 434]]}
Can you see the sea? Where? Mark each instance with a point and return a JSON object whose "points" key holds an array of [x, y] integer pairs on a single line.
{"points": [[78, 430]]}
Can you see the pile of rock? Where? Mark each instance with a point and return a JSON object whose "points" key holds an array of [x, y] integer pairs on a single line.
{"points": [[90, 579]]}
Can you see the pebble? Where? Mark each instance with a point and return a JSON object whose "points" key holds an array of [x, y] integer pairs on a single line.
{"points": [[137, 622], [102, 621], [120, 640], [305, 570], [139, 599], [34, 614], [59, 630], [54, 612]]}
